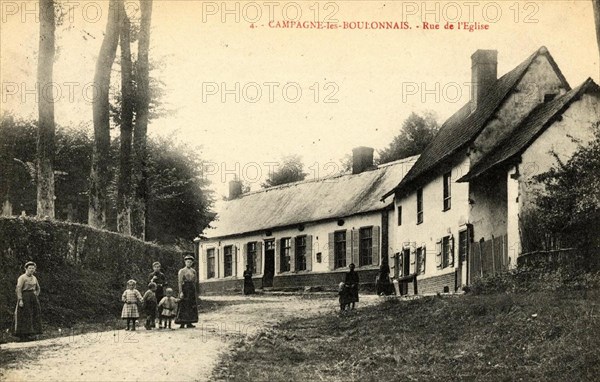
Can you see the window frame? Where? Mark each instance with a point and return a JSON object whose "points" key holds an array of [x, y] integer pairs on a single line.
{"points": [[300, 252], [362, 247], [446, 248], [210, 265], [447, 193], [285, 254], [399, 215], [251, 254], [339, 253], [226, 262], [420, 206]]}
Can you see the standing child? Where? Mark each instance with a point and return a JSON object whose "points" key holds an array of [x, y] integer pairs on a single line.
{"points": [[131, 297], [159, 278], [150, 306], [167, 306]]}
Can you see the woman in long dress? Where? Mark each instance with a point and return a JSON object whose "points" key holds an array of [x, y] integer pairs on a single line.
{"points": [[187, 312], [248, 283], [28, 317]]}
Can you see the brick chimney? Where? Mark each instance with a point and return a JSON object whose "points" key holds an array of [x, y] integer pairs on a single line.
{"points": [[235, 189], [484, 73], [362, 159]]}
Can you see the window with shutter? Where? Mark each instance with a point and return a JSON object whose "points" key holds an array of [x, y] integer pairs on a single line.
{"points": [[445, 251], [285, 253], [300, 253], [413, 260]]}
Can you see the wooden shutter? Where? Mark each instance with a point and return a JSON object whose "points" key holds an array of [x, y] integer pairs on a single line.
{"points": [[451, 257], [413, 259], [423, 258], [438, 254], [204, 261], [234, 263], [349, 244], [259, 264], [309, 252], [278, 256], [245, 256], [292, 254], [376, 241], [218, 263], [331, 245], [355, 257]]}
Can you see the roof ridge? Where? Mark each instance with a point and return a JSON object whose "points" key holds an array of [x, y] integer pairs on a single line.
{"points": [[483, 114]]}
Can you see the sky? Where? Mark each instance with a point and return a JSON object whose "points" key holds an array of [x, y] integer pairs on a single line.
{"points": [[246, 90]]}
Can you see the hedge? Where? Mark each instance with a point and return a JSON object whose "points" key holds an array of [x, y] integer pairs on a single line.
{"points": [[82, 271]]}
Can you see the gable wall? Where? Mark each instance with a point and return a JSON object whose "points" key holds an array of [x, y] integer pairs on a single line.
{"points": [[576, 123]]}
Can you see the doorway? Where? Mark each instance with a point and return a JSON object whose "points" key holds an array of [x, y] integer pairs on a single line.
{"points": [[269, 263]]}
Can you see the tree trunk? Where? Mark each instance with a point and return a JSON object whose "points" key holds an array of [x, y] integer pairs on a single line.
{"points": [[46, 127], [141, 125], [127, 94], [596, 5], [100, 155]]}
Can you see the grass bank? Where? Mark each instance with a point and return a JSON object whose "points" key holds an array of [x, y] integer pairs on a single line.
{"points": [[543, 335]]}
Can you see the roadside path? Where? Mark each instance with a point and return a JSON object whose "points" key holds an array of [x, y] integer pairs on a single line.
{"points": [[161, 355]]}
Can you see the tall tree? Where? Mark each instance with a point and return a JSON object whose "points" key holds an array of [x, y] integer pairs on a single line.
{"points": [[141, 122], [99, 176], [46, 126], [127, 108], [416, 133], [596, 5]]}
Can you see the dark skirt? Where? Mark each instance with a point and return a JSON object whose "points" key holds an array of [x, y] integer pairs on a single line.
{"points": [[187, 311], [354, 293], [28, 318], [248, 285]]}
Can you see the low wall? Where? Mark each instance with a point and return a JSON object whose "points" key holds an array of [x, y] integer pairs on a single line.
{"points": [[433, 285], [293, 281], [82, 271]]}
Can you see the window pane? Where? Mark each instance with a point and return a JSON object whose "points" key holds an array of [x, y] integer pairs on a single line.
{"points": [[228, 261], [365, 246], [340, 249]]}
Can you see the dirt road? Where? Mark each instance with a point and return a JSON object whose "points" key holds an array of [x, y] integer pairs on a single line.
{"points": [[160, 355]]}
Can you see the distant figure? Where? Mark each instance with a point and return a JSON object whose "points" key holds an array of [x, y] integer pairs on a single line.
{"points": [[345, 298], [352, 282], [150, 306], [248, 284], [157, 277], [384, 285], [28, 316], [167, 306], [187, 314], [131, 298]]}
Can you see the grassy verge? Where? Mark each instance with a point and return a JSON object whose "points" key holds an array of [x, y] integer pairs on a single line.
{"points": [[544, 335]]}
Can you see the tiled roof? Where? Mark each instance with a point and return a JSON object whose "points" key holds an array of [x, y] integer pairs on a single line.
{"points": [[308, 201], [462, 127], [528, 130]]}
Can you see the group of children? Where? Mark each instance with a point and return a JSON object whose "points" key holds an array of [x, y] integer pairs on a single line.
{"points": [[153, 301]]}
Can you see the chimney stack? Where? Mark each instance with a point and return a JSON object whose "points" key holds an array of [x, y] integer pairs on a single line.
{"points": [[484, 73], [362, 159], [235, 189]]}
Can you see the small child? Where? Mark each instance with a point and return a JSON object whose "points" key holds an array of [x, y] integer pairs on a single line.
{"points": [[168, 305], [131, 297], [150, 306], [344, 293], [159, 278]]}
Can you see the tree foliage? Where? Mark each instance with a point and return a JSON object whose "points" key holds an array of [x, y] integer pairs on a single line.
{"points": [[416, 133], [179, 201], [290, 169]]}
